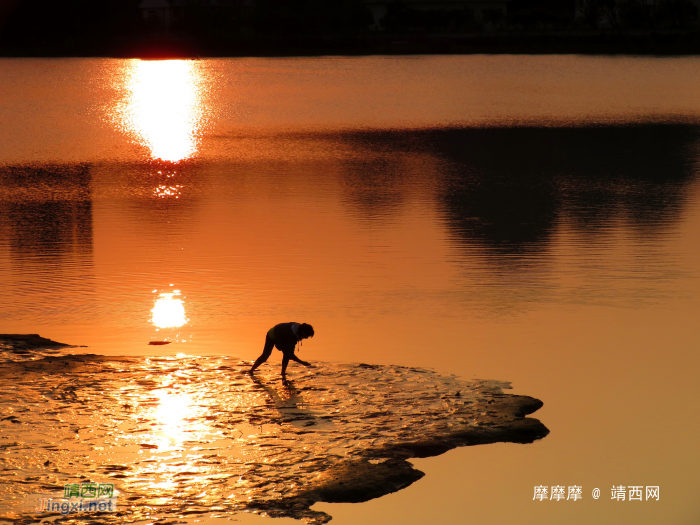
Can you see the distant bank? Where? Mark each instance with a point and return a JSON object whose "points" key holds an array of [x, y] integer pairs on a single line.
{"points": [[555, 42]]}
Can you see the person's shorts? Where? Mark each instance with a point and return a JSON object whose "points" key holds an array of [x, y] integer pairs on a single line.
{"points": [[270, 341]]}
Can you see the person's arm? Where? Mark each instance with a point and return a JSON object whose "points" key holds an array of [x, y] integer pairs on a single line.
{"points": [[285, 362], [293, 356]]}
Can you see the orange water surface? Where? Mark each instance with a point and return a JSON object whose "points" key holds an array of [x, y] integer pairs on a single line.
{"points": [[520, 218]]}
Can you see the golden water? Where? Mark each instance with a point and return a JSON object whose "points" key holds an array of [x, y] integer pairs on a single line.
{"points": [[530, 219]]}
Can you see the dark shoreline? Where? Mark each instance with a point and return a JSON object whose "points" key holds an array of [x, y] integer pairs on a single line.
{"points": [[647, 43]]}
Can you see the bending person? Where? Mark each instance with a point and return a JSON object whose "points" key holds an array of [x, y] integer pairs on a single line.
{"points": [[285, 337]]}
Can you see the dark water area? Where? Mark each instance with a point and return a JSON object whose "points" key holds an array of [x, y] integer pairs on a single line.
{"points": [[447, 224], [502, 190], [505, 189], [47, 228], [500, 194]]}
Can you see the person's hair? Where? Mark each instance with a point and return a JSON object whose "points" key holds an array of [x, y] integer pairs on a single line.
{"points": [[306, 330]]}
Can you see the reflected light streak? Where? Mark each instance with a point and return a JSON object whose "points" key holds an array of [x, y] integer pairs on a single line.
{"points": [[177, 414], [164, 108], [164, 191], [169, 312], [172, 411]]}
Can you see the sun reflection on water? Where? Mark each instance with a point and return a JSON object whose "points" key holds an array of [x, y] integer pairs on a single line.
{"points": [[191, 434], [177, 414], [169, 311], [163, 191], [164, 107]]}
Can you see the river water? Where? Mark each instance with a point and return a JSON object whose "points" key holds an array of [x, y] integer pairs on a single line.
{"points": [[517, 218]]}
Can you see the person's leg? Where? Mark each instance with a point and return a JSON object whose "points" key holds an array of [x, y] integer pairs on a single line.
{"points": [[267, 351]]}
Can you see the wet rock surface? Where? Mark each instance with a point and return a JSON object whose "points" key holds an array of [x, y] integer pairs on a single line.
{"points": [[26, 343], [187, 436]]}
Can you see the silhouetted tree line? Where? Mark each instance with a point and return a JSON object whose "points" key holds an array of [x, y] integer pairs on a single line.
{"points": [[62, 22], [268, 18], [547, 15], [96, 24], [310, 17], [402, 18], [542, 14], [42, 23], [201, 20], [638, 14]]}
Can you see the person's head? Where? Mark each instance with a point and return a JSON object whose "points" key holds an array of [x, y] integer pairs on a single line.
{"points": [[306, 331]]}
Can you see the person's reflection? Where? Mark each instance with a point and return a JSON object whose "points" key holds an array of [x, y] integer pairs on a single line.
{"points": [[289, 404]]}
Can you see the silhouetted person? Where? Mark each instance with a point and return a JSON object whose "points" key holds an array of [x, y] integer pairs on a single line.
{"points": [[285, 337]]}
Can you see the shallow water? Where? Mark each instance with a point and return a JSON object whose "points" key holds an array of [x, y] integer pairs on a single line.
{"points": [[529, 219], [183, 436]]}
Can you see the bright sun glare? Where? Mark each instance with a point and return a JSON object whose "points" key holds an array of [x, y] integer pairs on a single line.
{"points": [[174, 413], [172, 410], [168, 311], [164, 108]]}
